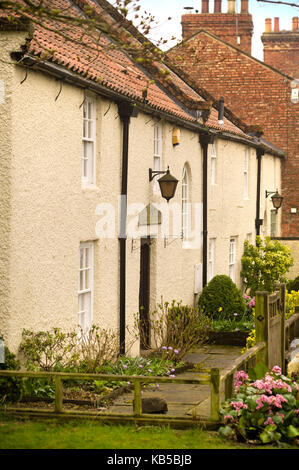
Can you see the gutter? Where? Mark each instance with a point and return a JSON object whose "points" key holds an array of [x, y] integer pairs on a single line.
{"points": [[62, 73]]}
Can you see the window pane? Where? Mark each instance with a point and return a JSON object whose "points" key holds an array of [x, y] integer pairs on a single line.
{"points": [[85, 283]]}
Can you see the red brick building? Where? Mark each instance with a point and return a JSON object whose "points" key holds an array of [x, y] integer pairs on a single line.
{"points": [[217, 56]]}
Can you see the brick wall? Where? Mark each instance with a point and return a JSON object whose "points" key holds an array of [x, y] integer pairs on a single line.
{"points": [[228, 26], [281, 50], [256, 94]]}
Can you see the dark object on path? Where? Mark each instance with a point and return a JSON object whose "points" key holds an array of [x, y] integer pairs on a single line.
{"points": [[154, 405]]}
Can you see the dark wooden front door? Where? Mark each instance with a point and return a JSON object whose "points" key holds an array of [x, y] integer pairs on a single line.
{"points": [[144, 292]]}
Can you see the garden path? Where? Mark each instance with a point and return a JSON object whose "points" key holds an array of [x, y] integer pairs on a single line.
{"points": [[186, 399]]}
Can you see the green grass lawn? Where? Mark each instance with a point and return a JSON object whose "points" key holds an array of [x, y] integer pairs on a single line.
{"points": [[16, 433]]}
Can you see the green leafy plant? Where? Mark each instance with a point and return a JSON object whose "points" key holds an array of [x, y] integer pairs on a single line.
{"points": [[11, 388], [49, 350], [231, 325], [265, 407], [292, 300], [293, 285], [177, 328], [221, 299], [265, 264], [39, 388], [151, 366], [76, 351]]}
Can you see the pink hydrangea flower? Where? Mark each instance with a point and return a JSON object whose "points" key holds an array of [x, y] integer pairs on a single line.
{"points": [[229, 417], [268, 421], [276, 370], [273, 400], [240, 378], [238, 405]]}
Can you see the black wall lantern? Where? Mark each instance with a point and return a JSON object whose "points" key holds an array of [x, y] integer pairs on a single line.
{"points": [[276, 199], [167, 183]]}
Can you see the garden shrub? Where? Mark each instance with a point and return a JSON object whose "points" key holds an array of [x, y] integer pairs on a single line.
{"points": [[263, 409], [293, 285], [176, 329], [75, 351], [48, 350], [221, 298], [11, 388], [292, 300], [96, 347], [265, 264]]}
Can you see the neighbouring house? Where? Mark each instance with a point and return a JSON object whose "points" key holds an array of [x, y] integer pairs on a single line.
{"points": [[85, 235], [216, 53]]}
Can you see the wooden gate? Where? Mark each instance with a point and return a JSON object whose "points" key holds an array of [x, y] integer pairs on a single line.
{"points": [[270, 326]]}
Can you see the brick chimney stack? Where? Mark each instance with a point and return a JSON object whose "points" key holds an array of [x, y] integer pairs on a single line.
{"points": [[217, 6], [281, 48], [234, 28], [295, 24], [205, 6]]}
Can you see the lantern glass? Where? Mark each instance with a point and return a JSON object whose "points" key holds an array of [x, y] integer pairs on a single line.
{"points": [[168, 186], [277, 200]]}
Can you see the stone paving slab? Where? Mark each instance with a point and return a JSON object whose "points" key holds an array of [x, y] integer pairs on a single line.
{"points": [[185, 399]]}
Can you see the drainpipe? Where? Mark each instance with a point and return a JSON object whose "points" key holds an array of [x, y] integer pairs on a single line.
{"points": [[258, 221], [205, 139], [125, 111]]}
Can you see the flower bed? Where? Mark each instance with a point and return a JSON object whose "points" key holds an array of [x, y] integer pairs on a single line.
{"points": [[263, 409]]}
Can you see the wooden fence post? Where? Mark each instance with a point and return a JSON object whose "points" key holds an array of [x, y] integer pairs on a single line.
{"points": [[282, 324], [215, 394], [58, 395], [262, 324], [229, 386], [137, 405]]}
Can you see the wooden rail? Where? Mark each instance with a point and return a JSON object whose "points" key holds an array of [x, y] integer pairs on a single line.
{"points": [[243, 362], [208, 377]]}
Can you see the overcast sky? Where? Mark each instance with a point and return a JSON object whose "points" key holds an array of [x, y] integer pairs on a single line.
{"points": [[162, 9]]}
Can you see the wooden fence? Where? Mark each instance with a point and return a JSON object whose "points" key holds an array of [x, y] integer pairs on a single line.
{"points": [[273, 336], [209, 377]]}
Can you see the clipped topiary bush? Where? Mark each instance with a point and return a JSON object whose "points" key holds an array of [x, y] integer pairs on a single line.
{"points": [[221, 298], [11, 388]]}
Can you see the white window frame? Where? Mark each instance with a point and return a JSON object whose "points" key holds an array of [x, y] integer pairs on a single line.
{"points": [[86, 285], [212, 244], [185, 204], [158, 150], [88, 162], [232, 258], [213, 164], [273, 223], [246, 175]]}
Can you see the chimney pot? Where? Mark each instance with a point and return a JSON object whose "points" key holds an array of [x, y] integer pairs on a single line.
{"points": [[217, 6], [231, 6], [276, 24], [205, 6], [295, 25], [244, 6], [268, 25]]}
